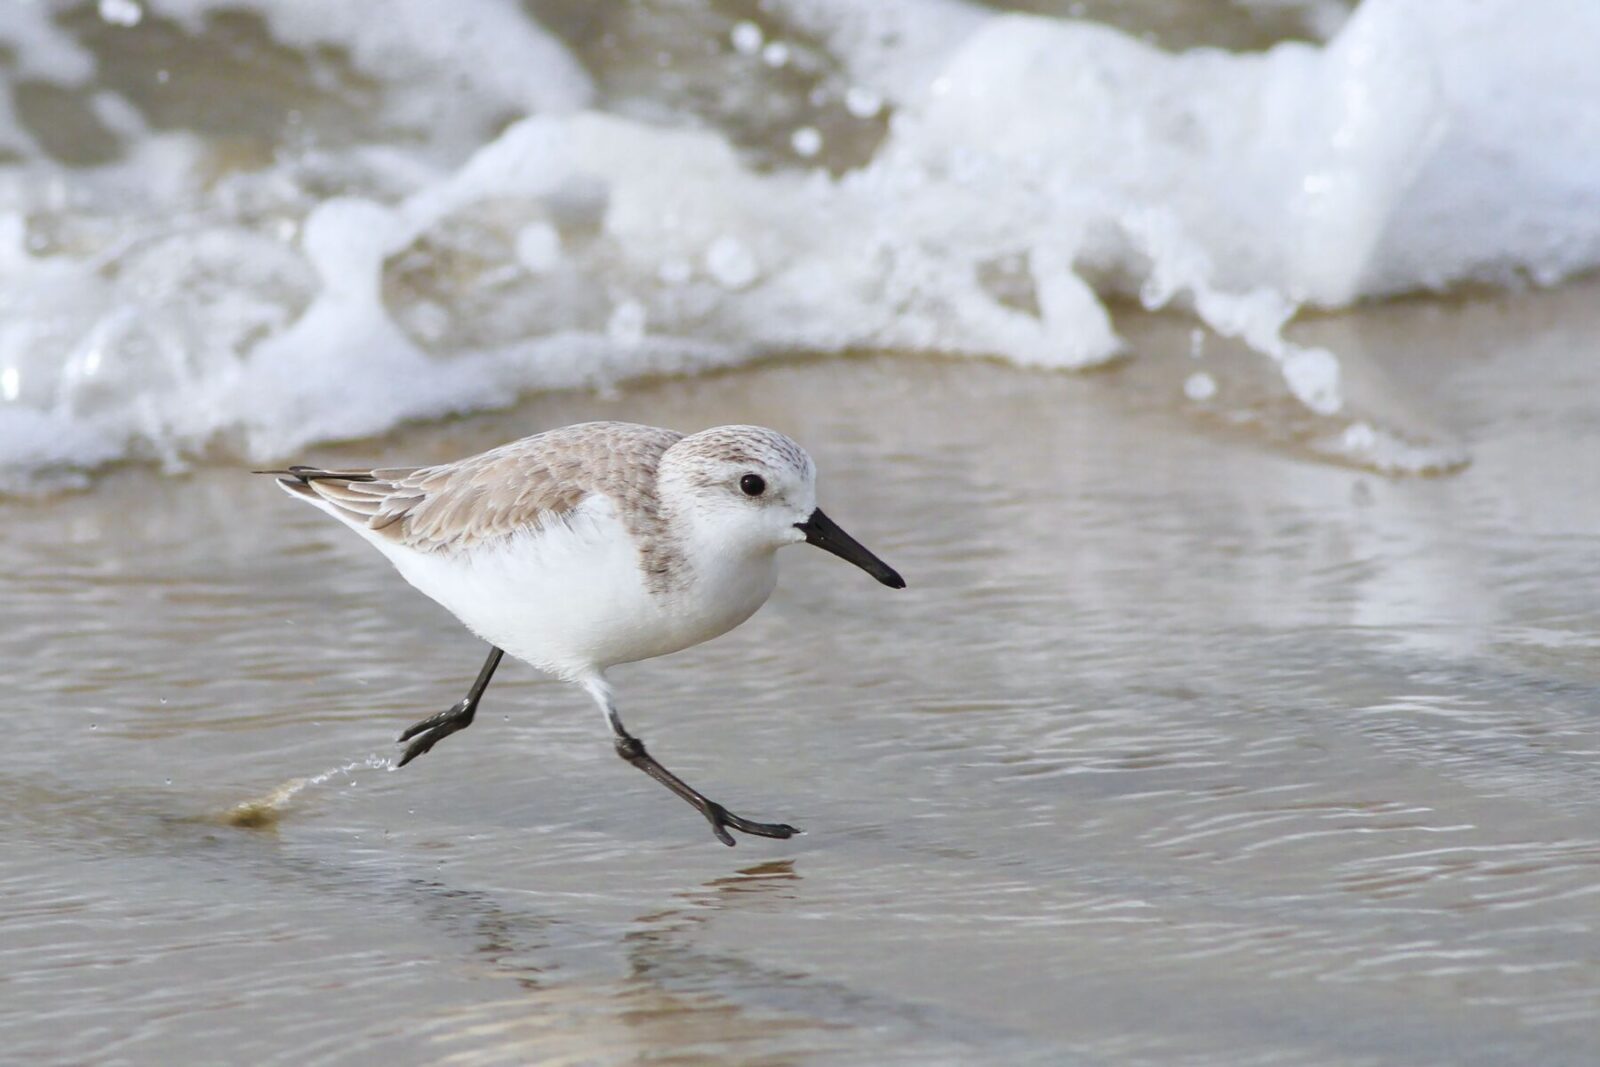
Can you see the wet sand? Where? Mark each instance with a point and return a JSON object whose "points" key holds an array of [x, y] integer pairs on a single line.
{"points": [[1182, 747]]}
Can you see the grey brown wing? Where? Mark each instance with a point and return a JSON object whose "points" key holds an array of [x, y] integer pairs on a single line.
{"points": [[520, 486]]}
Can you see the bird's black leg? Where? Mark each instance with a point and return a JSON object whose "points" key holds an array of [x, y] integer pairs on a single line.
{"points": [[458, 716], [631, 749]]}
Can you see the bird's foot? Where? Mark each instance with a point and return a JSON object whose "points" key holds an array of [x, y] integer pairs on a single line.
{"points": [[435, 728], [721, 819]]}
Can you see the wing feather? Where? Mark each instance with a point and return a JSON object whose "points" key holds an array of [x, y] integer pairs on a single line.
{"points": [[524, 485]]}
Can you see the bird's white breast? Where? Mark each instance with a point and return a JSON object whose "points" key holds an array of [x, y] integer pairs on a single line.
{"points": [[571, 597]]}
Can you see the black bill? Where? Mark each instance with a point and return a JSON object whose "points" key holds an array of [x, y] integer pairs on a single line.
{"points": [[826, 535]]}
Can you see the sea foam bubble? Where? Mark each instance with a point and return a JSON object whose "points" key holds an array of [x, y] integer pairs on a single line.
{"points": [[493, 232]]}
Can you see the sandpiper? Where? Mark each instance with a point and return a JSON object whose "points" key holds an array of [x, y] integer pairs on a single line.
{"points": [[592, 545]]}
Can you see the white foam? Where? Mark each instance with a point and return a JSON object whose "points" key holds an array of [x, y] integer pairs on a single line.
{"points": [[862, 102], [152, 308], [627, 323], [121, 12], [775, 54], [806, 141], [730, 263], [746, 38], [1199, 386], [539, 247]]}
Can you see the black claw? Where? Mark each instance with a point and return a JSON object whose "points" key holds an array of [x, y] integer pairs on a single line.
{"points": [[455, 711], [458, 716], [417, 749], [721, 818], [435, 728], [779, 830], [718, 817]]}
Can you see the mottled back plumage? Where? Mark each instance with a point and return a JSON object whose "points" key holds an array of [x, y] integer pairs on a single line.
{"points": [[522, 486]]}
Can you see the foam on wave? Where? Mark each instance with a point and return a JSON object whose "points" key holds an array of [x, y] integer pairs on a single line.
{"points": [[168, 304]]}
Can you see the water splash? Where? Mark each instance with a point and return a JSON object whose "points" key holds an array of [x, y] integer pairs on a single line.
{"points": [[265, 811]]}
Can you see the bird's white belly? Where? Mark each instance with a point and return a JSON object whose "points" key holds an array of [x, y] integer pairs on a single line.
{"points": [[572, 597]]}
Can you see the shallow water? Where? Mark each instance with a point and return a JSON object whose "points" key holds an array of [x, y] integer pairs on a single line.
{"points": [[1180, 748]]}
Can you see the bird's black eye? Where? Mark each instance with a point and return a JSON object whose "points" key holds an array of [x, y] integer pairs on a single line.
{"points": [[753, 485]]}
